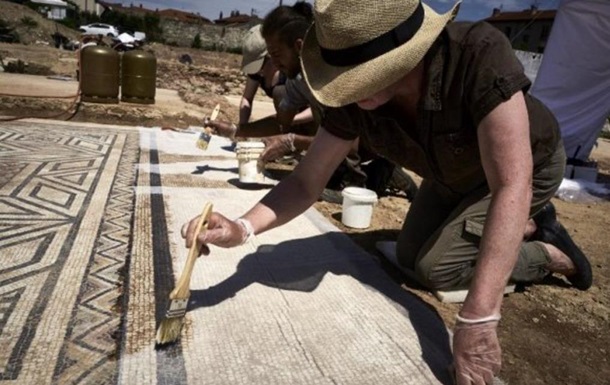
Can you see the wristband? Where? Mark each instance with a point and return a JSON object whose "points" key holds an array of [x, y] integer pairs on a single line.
{"points": [[248, 227], [491, 318]]}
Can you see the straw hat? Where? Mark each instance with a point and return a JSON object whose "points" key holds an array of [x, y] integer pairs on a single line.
{"points": [[357, 48], [253, 50]]}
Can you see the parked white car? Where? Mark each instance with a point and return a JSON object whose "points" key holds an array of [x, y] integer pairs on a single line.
{"points": [[99, 29]]}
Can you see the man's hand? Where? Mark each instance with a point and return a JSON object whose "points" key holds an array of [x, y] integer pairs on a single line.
{"points": [[277, 146], [225, 129], [476, 353], [220, 232]]}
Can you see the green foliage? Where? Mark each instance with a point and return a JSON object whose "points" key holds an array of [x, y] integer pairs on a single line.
{"points": [[87, 17], [10, 37], [29, 22], [33, 6], [221, 47], [150, 24], [74, 18], [152, 27], [70, 23], [236, 50], [17, 67], [72, 5], [196, 41]]}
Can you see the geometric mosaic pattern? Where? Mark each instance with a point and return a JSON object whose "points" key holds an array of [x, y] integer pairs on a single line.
{"points": [[301, 304], [66, 203], [88, 248]]}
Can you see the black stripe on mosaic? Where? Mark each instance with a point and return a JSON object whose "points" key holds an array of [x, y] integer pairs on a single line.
{"points": [[8, 303], [171, 368], [122, 342]]}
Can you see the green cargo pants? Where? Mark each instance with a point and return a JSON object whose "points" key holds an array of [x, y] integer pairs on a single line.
{"points": [[440, 236]]}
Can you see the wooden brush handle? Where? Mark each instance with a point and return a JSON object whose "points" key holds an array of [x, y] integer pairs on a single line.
{"points": [[182, 287]]}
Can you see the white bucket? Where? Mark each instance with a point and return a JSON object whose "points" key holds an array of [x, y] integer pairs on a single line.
{"points": [[357, 207], [250, 165]]}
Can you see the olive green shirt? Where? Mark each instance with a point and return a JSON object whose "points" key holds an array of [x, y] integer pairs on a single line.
{"points": [[469, 71]]}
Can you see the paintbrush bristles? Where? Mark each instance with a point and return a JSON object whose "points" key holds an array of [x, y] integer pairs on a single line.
{"points": [[169, 330], [203, 141]]}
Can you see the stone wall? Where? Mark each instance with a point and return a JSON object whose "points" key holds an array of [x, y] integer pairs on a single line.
{"points": [[212, 36]]}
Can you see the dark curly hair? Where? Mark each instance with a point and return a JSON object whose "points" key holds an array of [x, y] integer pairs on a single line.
{"points": [[289, 23]]}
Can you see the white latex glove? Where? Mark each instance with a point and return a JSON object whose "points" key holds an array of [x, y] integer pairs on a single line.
{"points": [[477, 357], [221, 232], [277, 146]]}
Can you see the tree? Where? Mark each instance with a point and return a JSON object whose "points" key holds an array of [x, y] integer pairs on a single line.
{"points": [[220, 17], [196, 41]]}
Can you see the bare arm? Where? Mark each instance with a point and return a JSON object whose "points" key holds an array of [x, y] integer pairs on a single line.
{"points": [[285, 117], [266, 126], [289, 198], [245, 105], [507, 160], [273, 124], [280, 145]]}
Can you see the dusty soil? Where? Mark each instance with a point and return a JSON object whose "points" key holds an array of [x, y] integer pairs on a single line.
{"points": [[550, 333], [30, 26]]}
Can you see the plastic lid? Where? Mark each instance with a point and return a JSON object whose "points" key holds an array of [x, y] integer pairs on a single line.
{"points": [[249, 145], [359, 194]]}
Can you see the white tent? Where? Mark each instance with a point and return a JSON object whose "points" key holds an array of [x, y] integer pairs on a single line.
{"points": [[574, 77]]}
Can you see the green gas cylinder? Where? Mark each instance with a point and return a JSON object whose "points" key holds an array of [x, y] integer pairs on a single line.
{"points": [[99, 74], [138, 77]]}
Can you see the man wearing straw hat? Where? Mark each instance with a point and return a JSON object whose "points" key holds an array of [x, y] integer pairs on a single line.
{"points": [[448, 101]]}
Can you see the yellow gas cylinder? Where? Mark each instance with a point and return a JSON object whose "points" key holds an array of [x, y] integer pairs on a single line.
{"points": [[99, 74], [138, 77]]}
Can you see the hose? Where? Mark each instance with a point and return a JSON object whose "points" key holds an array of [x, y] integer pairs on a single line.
{"points": [[75, 102]]}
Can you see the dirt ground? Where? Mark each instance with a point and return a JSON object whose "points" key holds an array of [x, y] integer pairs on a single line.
{"points": [[550, 333]]}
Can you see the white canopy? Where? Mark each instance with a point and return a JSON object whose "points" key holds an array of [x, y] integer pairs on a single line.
{"points": [[574, 76]]}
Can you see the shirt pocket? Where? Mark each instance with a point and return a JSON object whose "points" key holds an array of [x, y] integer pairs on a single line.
{"points": [[457, 155]]}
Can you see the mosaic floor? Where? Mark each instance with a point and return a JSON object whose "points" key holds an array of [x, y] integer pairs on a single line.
{"points": [[66, 203], [89, 251]]}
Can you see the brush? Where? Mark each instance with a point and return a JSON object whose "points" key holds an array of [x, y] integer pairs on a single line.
{"points": [[205, 136], [170, 327]]}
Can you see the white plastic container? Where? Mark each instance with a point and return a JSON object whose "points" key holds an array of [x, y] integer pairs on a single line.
{"points": [[358, 207], [248, 158]]}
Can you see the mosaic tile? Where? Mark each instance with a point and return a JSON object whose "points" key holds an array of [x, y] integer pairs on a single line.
{"points": [[66, 203]]}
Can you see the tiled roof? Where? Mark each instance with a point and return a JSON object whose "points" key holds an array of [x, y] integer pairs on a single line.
{"points": [[182, 16], [525, 15], [239, 19]]}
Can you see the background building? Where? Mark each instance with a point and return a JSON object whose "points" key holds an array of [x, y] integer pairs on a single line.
{"points": [[89, 6], [527, 30], [53, 9]]}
